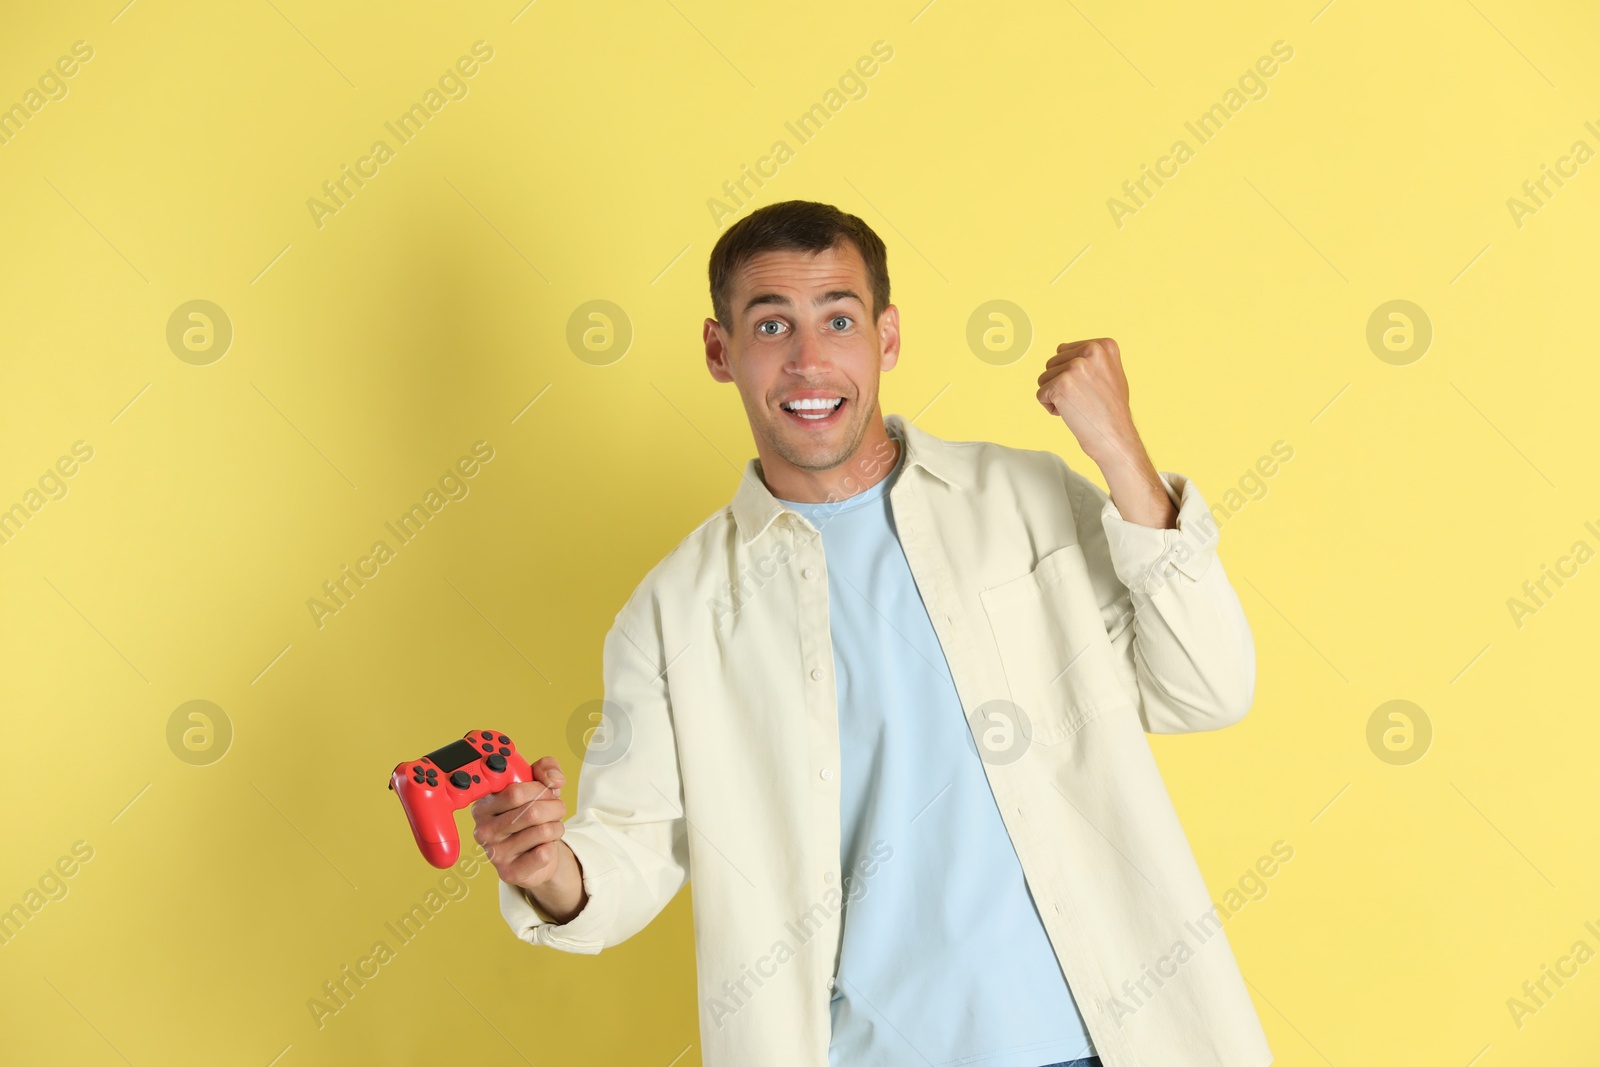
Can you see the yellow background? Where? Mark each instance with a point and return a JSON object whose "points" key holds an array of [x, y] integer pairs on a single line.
{"points": [[369, 353]]}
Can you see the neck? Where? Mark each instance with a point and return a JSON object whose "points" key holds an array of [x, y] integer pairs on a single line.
{"points": [[874, 458]]}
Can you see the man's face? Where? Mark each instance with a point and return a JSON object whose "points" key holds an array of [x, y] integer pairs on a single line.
{"points": [[805, 353]]}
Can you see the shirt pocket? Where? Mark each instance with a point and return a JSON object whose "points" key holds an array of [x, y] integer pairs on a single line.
{"points": [[1054, 648]]}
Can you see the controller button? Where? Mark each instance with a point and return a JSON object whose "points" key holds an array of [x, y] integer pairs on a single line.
{"points": [[504, 740], [496, 762], [475, 778], [505, 751], [461, 779]]}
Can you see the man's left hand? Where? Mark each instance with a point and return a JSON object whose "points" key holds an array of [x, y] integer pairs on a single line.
{"points": [[1084, 384]]}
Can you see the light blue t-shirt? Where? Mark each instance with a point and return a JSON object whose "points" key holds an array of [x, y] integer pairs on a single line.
{"points": [[944, 960]]}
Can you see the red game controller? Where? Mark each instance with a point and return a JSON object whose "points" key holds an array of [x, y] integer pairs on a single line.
{"points": [[432, 789]]}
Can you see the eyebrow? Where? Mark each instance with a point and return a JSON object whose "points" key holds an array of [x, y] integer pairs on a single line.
{"points": [[822, 298]]}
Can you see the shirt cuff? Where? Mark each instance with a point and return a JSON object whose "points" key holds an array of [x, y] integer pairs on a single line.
{"points": [[586, 932], [1146, 558]]}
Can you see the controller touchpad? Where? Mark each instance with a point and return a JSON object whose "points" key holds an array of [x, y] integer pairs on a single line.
{"points": [[455, 754]]}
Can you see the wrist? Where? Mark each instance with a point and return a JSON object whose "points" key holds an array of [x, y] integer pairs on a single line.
{"points": [[1140, 496], [562, 895], [1123, 449]]}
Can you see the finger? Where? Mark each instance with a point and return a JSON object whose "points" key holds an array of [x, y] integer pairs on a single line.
{"points": [[548, 771], [1055, 368], [1066, 353], [533, 867], [530, 814], [512, 796], [536, 810], [1062, 360], [506, 854]]}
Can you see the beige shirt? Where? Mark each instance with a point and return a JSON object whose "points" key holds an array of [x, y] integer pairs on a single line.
{"points": [[1069, 633]]}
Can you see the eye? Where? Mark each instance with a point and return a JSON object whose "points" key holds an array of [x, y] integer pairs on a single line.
{"points": [[761, 328], [846, 319]]}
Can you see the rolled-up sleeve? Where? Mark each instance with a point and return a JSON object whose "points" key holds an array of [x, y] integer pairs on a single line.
{"points": [[1189, 640], [628, 829]]}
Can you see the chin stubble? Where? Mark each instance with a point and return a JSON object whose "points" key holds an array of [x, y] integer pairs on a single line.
{"points": [[780, 445]]}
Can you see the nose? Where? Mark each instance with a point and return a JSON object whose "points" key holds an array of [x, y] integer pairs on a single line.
{"points": [[808, 356]]}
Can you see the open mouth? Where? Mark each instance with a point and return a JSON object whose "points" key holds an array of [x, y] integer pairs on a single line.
{"points": [[815, 411]]}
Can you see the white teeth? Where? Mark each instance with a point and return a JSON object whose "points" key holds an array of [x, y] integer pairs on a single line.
{"points": [[819, 404]]}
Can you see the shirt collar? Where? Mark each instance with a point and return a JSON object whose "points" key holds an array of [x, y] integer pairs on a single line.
{"points": [[754, 506]]}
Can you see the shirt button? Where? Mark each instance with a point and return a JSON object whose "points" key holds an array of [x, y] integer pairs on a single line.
{"points": [[809, 572], [826, 774], [816, 674], [827, 876], [830, 983]]}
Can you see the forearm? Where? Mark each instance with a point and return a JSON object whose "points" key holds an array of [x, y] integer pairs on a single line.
{"points": [[1135, 485], [562, 897], [1187, 646]]}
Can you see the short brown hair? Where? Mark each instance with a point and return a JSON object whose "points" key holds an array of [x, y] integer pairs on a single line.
{"points": [[796, 226]]}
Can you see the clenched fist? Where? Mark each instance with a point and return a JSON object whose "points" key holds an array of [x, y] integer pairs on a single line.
{"points": [[520, 829], [1084, 384]]}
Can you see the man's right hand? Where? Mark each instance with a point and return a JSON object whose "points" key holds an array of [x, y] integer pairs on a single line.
{"points": [[520, 829]]}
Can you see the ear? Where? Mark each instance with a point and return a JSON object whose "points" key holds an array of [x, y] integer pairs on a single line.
{"points": [[889, 337], [716, 351]]}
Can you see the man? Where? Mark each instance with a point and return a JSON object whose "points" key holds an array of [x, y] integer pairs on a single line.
{"points": [[889, 707]]}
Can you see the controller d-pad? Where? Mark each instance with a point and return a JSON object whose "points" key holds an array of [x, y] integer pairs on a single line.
{"points": [[496, 762], [461, 779]]}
